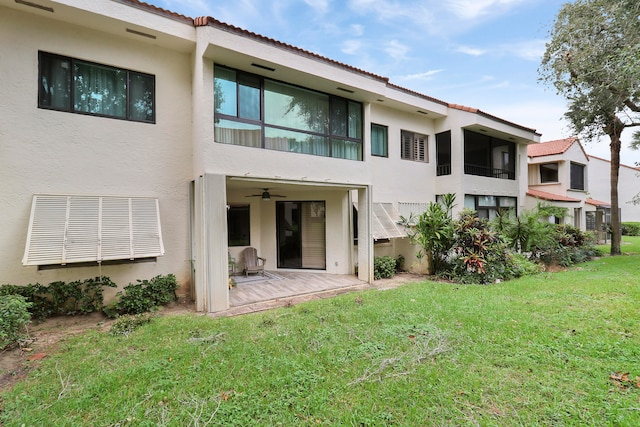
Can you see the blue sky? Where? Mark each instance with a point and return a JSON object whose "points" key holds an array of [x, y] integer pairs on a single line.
{"points": [[479, 53]]}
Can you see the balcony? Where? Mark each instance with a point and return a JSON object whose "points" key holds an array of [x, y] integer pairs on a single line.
{"points": [[489, 172]]}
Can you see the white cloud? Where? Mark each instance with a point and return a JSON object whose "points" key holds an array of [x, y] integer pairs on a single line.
{"points": [[320, 6], [477, 9], [428, 75], [473, 51], [351, 47], [357, 30], [396, 50]]}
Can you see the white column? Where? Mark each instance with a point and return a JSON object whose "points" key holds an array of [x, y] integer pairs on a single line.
{"points": [[365, 239]]}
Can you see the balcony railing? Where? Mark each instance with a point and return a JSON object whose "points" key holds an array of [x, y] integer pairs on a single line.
{"points": [[443, 170], [490, 172]]}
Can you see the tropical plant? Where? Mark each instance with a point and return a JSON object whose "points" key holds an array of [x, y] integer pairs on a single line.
{"points": [[432, 231]]}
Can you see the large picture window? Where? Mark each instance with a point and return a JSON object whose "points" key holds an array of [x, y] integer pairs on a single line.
{"points": [[548, 172], [76, 86], [263, 113], [489, 206]]}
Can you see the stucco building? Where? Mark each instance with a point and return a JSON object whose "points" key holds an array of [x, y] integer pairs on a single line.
{"points": [[137, 142]]}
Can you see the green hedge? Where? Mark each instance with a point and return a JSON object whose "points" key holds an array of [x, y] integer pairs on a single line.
{"points": [[631, 228]]}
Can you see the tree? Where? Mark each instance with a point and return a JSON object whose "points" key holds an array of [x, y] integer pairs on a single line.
{"points": [[593, 60]]}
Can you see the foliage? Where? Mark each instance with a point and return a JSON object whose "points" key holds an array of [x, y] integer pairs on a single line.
{"points": [[383, 267], [14, 318], [62, 298], [631, 228], [400, 262], [432, 231], [145, 295], [573, 246], [125, 325], [536, 351], [592, 60], [480, 255], [527, 230]]}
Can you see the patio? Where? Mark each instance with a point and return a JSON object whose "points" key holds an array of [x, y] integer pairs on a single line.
{"points": [[258, 293]]}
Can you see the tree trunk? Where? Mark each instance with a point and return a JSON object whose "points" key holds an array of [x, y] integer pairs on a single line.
{"points": [[614, 132]]}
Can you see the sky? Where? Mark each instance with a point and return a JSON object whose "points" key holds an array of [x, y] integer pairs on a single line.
{"points": [[479, 53]]}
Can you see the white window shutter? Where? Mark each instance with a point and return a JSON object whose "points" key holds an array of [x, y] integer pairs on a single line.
{"points": [[420, 148], [66, 229]]}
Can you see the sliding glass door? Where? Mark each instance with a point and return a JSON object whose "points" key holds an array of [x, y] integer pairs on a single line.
{"points": [[301, 232]]}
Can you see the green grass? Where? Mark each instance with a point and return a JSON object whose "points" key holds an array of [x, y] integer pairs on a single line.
{"points": [[538, 351]]}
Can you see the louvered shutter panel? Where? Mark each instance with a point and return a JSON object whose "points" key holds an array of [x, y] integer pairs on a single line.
{"points": [[145, 218], [313, 235], [406, 142], [45, 238], [116, 229], [419, 149], [82, 235], [66, 229]]}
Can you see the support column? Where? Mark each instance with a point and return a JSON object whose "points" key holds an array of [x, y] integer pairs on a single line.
{"points": [[365, 239], [211, 257]]}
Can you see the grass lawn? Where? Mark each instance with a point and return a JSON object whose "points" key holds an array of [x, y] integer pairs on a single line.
{"points": [[540, 351]]}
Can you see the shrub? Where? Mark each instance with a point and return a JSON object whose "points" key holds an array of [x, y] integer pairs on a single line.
{"points": [[128, 323], [145, 295], [14, 318], [573, 246], [62, 298], [479, 254], [631, 228], [383, 267]]}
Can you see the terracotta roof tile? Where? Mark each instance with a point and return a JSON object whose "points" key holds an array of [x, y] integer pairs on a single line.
{"points": [[550, 196], [594, 202], [548, 148], [490, 116], [155, 9]]}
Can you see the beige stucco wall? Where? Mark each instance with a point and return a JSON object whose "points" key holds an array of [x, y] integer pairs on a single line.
{"points": [[628, 186], [44, 151]]}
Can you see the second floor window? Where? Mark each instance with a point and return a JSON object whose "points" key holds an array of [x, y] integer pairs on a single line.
{"points": [[264, 113], [577, 176], [548, 172], [413, 146], [76, 86], [443, 153], [379, 141]]}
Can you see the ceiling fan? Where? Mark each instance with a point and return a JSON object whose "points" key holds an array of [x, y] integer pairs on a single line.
{"points": [[265, 195]]}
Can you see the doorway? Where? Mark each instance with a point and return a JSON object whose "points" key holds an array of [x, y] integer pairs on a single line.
{"points": [[301, 235]]}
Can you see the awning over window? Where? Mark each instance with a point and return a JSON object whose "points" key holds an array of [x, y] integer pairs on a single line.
{"points": [[68, 229], [385, 223]]}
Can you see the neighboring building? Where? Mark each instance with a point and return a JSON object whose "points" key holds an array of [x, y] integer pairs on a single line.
{"points": [[137, 142], [628, 186], [558, 175]]}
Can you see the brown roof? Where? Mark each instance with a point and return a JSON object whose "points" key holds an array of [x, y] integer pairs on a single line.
{"points": [[490, 116], [594, 202], [621, 165], [559, 146], [550, 196], [155, 9]]}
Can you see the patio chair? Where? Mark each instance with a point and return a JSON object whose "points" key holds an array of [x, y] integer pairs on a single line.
{"points": [[252, 262]]}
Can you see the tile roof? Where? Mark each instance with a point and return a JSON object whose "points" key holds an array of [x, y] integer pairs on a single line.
{"points": [[550, 196], [490, 116], [594, 202], [548, 148], [155, 9], [635, 168]]}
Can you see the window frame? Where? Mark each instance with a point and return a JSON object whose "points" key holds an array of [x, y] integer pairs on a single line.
{"points": [[70, 108], [242, 210], [581, 186], [327, 143], [414, 146], [443, 153], [384, 143], [543, 175]]}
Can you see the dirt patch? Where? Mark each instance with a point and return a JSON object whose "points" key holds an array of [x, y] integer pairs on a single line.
{"points": [[15, 363]]}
